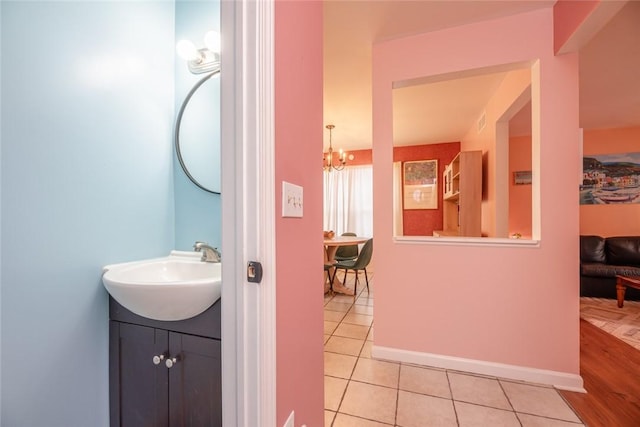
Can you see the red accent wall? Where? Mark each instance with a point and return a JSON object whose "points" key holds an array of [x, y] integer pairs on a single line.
{"points": [[422, 222], [417, 222], [360, 157]]}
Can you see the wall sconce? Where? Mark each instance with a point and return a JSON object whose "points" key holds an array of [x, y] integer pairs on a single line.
{"points": [[204, 60]]}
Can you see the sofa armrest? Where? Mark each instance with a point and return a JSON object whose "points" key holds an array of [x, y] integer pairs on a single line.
{"points": [[592, 249]]}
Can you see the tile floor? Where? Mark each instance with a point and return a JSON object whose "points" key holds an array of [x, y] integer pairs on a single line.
{"points": [[365, 392]]}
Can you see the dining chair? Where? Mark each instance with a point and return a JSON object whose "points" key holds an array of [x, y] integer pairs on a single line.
{"points": [[347, 253], [360, 263], [327, 269]]}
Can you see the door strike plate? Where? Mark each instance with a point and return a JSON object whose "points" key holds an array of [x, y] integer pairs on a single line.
{"points": [[254, 272]]}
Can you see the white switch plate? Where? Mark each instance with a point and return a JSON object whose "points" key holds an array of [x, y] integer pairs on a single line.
{"points": [[290, 421], [291, 200]]}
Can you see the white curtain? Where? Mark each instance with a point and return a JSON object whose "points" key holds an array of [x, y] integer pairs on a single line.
{"points": [[348, 200]]}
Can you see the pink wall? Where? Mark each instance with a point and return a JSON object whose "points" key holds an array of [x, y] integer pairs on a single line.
{"points": [[510, 305], [610, 220], [519, 195], [513, 85], [299, 274], [422, 222], [568, 16]]}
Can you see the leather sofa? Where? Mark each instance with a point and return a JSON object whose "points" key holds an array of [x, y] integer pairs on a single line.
{"points": [[602, 258]]}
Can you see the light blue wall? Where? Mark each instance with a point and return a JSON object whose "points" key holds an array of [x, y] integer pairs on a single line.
{"points": [[86, 180], [198, 213]]}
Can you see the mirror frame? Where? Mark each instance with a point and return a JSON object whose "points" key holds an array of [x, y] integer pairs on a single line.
{"points": [[177, 131]]}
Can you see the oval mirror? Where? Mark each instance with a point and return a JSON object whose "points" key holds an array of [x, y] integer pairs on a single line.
{"points": [[197, 134]]}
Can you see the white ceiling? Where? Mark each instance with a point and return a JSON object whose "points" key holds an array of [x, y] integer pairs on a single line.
{"points": [[609, 88], [440, 112]]}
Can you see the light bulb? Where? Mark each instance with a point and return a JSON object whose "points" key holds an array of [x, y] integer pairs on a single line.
{"points": [[187, 50], [212, 41]]}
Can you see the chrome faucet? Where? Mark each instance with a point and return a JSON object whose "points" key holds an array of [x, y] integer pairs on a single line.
{"points": [[209, 254]]}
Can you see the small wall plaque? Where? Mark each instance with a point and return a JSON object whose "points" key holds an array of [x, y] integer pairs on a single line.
{"points": [[522, 177]]}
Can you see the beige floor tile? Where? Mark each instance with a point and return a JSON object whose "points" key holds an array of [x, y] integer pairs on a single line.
{"points": [[366, 349], [418, 410], [337, 306], [359, 293], [351, 331], [480, 416], [377, 372], [358, 319], [362, 288], [533, 421], [338, 365], [351, 277], [347, 299], [333, 391], [328, 418], [334, 316], [479, 390], [343, 420], [362, 285], [344, 345], [348, 285], [361, 309], [364, 299], [370, 401], [329, 327], [529, 399], [425, 381]]}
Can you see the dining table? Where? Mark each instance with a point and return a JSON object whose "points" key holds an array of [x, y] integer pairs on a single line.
{"points": [[331, 245]]}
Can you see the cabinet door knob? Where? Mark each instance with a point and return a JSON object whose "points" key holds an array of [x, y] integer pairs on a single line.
{"points": [[158, 359], [170, 362]]}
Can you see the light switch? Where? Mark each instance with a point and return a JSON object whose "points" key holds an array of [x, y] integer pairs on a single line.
{"points": [[291, 200]]}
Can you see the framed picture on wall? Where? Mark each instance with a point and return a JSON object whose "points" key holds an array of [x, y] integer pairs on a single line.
{"points": [[609, 179], [522, 177], [420, 184]]}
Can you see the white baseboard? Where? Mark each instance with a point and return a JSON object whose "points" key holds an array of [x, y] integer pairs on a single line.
{"points": [[559, 380]]}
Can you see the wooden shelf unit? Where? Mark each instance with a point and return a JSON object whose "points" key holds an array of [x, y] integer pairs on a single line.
{"points": [[462, 195]]}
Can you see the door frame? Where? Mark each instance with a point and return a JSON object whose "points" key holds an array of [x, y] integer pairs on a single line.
{"points": [[248, 213]]}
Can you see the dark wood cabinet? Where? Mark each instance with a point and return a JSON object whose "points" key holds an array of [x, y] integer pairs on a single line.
{"points": [[165, 373], [193, 384]]}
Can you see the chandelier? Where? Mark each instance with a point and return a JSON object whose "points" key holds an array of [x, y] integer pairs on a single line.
{"points": [[328, 161]]}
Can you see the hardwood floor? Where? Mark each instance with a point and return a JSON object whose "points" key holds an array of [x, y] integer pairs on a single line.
{"points": [[611, 372]]}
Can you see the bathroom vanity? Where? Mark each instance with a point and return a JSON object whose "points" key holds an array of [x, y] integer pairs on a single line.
{"points": [[164, 373]]}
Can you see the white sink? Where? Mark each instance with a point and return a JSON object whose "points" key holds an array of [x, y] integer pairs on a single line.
{"points": [[176, 287]]}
